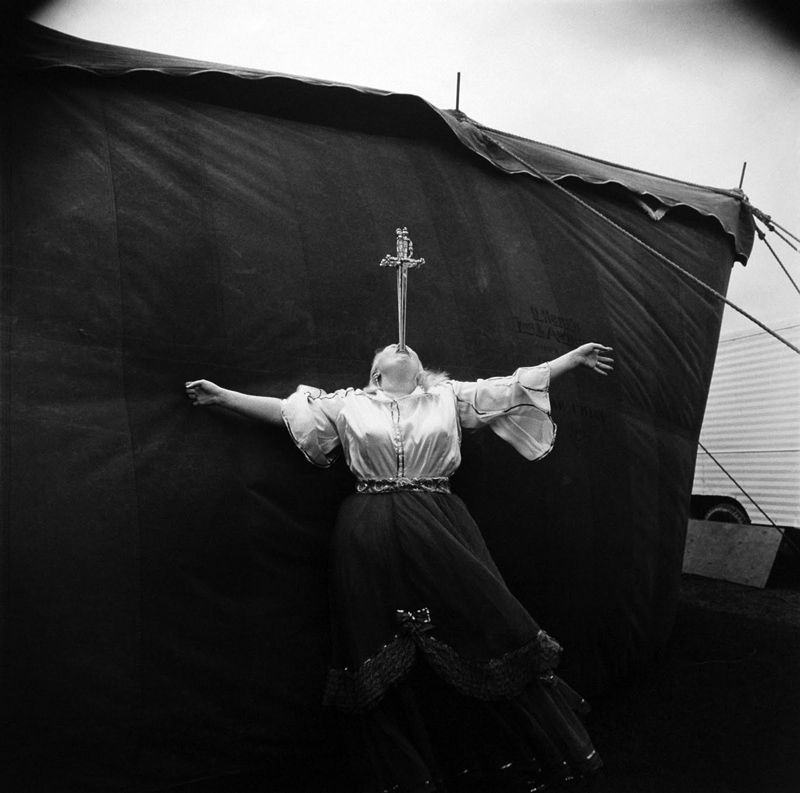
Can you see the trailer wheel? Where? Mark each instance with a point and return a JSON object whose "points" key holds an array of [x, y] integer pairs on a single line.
{"points": [[727, 512]]}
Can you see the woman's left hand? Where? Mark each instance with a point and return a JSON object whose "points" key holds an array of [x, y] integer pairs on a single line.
{"points": [[594, 356]]}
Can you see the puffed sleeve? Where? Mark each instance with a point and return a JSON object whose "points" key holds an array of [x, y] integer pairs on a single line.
{"points": [[516, 407], [310, 416]]}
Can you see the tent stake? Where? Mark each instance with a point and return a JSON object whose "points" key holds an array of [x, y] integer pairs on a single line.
{"points": [[458, 88], [741, 178]]}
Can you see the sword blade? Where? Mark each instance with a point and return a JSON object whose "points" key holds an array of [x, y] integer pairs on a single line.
{"points": [[402, 285]]}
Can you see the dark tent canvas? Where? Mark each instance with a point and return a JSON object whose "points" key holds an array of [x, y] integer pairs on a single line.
{"points": [[164, 570]]}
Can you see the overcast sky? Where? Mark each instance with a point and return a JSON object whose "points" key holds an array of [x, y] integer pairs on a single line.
{"points": [[688, 89]]}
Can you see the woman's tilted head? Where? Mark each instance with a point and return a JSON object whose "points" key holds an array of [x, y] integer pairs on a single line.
{"points": [[394, 363]]}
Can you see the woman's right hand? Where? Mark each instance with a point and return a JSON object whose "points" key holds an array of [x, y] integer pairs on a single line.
{"points": [[204, 392]]}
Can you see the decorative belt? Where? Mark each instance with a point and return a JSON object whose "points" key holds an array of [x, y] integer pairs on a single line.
{"points": [[431, 484]]}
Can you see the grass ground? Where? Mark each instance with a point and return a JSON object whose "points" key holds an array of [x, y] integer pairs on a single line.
{"points": [[721, 712]]}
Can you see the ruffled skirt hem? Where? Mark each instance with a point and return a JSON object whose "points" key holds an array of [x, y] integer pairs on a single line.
{"points": [[427, 735]]}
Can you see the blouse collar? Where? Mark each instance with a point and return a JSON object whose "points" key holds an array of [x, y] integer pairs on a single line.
{"points": [[381, 396]]}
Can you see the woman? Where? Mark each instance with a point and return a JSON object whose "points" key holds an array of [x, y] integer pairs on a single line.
{"points": [[444, 681]]}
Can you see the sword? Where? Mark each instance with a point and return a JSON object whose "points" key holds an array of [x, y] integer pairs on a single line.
{"points": [[402, 262]]}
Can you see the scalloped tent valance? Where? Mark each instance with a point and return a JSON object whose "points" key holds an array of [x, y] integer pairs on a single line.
{"points": [[402, 114]]}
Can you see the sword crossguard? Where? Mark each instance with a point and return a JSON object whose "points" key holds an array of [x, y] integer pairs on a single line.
{"points": [[405, 253]]}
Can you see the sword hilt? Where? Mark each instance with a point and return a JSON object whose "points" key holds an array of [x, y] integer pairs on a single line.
{"points": [[403, 261]]}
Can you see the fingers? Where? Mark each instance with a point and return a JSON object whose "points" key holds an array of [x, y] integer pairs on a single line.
{"points": [[193, 391], [605, 363]]}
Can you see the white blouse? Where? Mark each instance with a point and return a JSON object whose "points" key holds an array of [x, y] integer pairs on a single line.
{"points": [[419, 435]]}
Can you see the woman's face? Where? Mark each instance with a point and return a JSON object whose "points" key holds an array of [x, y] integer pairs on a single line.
{"points": [[391, 360]]}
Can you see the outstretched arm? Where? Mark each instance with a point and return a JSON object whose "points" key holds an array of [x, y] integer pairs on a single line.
{"points": [[592, 355], [262, 408]]}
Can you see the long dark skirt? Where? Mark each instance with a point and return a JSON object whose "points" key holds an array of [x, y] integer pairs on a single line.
{"points": [[440, 673]]}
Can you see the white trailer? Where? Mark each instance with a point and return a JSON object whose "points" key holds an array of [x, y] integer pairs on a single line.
{"points": [[752, 428]]}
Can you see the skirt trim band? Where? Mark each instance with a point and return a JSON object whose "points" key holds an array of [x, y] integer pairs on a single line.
{"points": [[359, 689]]}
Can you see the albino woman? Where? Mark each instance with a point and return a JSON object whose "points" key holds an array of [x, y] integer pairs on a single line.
{"points": [[443, 679]]}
